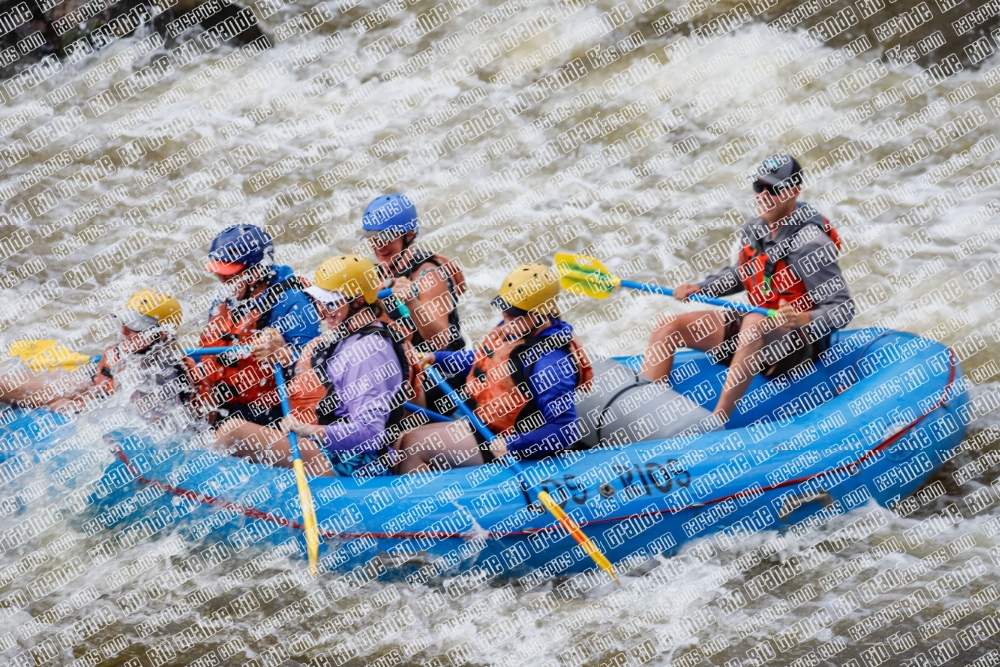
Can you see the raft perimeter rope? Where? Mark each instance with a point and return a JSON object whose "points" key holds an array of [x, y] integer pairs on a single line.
{"points": [[255, 513]]}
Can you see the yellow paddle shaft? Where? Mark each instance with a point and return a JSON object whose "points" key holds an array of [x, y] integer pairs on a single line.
{"points": [[573, 529], [308, 515]]}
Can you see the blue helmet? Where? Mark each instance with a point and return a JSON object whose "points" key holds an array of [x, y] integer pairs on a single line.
{"points": [[239, 247], [390, 214]]}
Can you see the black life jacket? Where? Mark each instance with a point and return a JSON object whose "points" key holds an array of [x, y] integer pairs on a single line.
{"points": [[313, 397], [419, 257], [321, 355]]}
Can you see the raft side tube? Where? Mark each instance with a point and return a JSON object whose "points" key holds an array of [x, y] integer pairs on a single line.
{"points": [[624, 407]]}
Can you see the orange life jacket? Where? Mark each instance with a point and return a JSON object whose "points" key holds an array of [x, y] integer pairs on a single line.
{"points": [[312, 396], [246, 380], [767, 278], [498, 381]]}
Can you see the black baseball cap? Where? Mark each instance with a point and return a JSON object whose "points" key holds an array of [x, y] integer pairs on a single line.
{"points": [[780, 170]]}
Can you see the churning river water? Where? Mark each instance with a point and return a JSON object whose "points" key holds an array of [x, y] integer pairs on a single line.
{"points": [[634, 153]]}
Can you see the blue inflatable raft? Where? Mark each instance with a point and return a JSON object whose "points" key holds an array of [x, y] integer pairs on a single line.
{"points": [[870, 422]]}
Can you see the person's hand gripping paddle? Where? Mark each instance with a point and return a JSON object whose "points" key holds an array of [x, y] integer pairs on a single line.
{"points": [[586, 275]]}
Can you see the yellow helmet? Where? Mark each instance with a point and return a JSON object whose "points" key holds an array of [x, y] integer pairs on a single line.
{"points": [[349, 275], [529, 288], [149, 308]]}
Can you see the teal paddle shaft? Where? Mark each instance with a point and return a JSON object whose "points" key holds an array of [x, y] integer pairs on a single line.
{"points": [[199, 351], [700, 298], [205, 351], [403, 310], [305, 494], [477, 424], [279, 379]]}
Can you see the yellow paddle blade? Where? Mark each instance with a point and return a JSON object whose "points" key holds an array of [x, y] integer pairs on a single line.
{"points": [[42, 355], [585, 275], [308, 515], [581, 538]]}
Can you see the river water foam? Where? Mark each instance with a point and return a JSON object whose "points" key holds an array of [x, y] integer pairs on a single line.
{"points": [[373, 130]]}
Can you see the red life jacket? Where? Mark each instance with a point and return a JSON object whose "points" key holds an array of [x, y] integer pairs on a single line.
{"points": [[246, 380], [767, 278], [498, 380]]}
